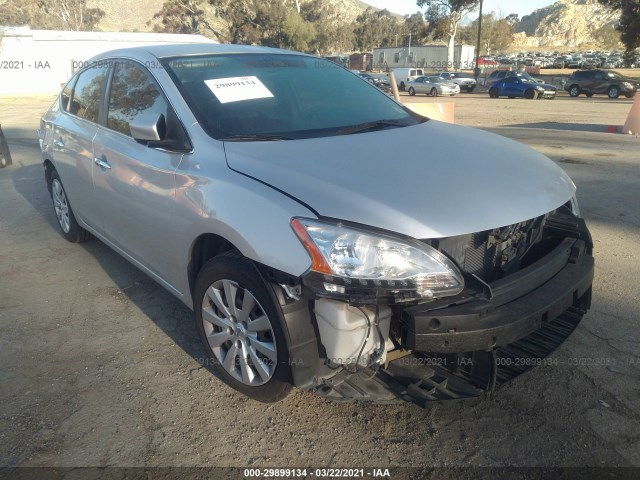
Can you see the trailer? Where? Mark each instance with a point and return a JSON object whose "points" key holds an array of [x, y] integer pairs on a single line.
{"points": [[428, 57]]}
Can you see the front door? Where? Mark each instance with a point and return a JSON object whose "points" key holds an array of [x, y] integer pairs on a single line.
{"points": [[135, 183]]}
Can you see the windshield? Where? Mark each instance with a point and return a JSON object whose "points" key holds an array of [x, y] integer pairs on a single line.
{"points": [[437, 80], [615, 75], [285, 96]]}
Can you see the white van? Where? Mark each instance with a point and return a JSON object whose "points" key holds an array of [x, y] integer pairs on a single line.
{"points": [[406, 75]]}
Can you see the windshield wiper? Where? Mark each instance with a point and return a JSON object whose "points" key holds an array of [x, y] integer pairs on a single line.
{"points": [[369, 126], [255, 137]]}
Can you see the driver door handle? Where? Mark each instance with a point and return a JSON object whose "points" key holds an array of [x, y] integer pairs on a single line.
{"points": [[102, 163]]}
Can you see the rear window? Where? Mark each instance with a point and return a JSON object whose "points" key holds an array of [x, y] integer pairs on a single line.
{"points": [[295, 96]]}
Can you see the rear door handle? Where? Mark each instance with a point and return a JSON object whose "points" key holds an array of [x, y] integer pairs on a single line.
{"points": [[102, 163]]}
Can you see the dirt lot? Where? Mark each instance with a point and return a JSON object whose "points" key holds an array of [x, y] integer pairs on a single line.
{"points": [[101, 367]]}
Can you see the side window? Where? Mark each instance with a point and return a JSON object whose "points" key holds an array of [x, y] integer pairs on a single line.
{"points": [[65, 96], [132, 93], [87, 94]]}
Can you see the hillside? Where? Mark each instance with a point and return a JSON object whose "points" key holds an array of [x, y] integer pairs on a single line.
{"points": [[566, 23], [134, 16]]}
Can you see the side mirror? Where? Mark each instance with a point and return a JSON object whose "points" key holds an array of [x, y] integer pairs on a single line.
{"points": [[148, 127]]}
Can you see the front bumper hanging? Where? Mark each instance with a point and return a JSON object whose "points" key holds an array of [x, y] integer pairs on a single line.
{"points": [[466, 351]]}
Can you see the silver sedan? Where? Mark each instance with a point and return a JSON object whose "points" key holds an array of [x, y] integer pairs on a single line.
{"points": [[433, 86]]}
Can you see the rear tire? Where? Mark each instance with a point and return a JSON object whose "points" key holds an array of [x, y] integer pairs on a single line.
{"points": [[470, 89], [589, 95], [493, 93], [240, 325], [402, 86], [64, 213], [574, 90]]}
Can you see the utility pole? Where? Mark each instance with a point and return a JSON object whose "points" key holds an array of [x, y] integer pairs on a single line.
{"points": [[477, 69]]}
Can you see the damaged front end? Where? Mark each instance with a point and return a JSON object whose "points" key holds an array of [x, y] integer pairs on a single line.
{"points": [[440, 319]]}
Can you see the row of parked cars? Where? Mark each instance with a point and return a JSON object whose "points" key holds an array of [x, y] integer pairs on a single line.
{"points": [[574, 60], [507, 83]]}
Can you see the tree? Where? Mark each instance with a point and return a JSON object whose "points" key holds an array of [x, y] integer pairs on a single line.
{"points": [[607, 36], [444, 17], [182, 16], [50, 14], [629, 26], [332, 33], [297, 33], [416, 26], [497, 34], [376, 28]]}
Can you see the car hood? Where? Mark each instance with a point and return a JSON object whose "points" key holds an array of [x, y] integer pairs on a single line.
{"points": [[426, 181]]}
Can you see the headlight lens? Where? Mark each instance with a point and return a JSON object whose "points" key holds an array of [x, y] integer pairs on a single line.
{"points": [[575, 209], [356, 254], [627, 85]]}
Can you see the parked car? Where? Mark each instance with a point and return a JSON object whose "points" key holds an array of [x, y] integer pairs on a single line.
{"points": [[311, 224], [433, 86], [465, 81], [522, 87], [380, 82], [559, 62], [574, 62], [591, 82], [502, 74]]}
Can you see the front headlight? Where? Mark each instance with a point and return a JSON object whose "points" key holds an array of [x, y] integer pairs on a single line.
{"points": [[573, 204], [627, 85], [349, 256]]}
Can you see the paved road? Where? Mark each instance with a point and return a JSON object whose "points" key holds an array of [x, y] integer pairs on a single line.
{"points": [[99, 366]]}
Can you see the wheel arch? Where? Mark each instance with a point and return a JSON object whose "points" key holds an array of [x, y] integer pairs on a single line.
{"points": [[204, 248], [49, 168]]}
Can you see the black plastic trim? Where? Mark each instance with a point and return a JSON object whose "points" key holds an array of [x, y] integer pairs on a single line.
{"points": [[483, 325]]}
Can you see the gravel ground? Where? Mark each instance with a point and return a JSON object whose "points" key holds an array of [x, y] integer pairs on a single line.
{"points": [[101, 367]]}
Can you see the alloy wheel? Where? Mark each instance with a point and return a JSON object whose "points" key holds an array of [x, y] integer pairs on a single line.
{"points": [[239, 333], [61, 205]]}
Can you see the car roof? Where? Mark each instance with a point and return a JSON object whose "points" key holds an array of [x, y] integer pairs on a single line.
{"points": [[186, 49]]}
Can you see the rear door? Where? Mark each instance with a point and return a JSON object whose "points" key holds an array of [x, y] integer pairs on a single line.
{"points": [[135, 183], [72, 139], [601, 82]]}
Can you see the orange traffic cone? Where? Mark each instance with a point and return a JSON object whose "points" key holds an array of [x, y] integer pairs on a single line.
{"points": [[632, 125]]}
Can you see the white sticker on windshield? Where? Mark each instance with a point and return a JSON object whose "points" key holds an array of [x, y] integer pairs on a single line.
{"points": [[236, 89]]}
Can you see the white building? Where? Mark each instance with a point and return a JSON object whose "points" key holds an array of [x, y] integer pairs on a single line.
{"points": [[38, 61], [430, 57]]}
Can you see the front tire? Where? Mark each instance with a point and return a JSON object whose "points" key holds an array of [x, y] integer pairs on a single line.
{"points": [[434, 92], [240, 326], [574, 91], [613, 92], [412, 92], [530, 94], [630, 94], [64, 213]]}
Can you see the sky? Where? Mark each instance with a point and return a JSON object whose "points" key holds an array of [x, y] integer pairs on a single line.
{"points": [[521, 7]]}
